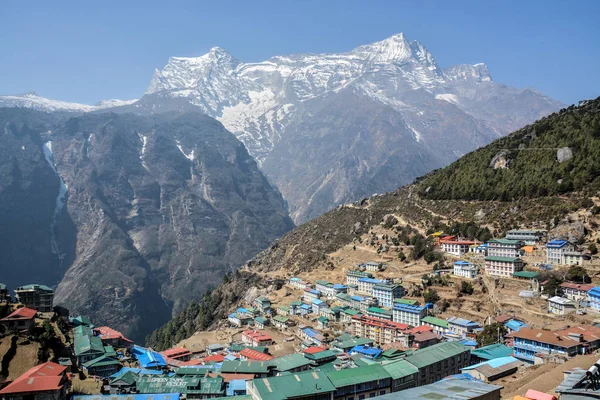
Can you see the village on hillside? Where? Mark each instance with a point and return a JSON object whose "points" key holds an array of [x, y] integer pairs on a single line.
{"points": [[512, 317]]}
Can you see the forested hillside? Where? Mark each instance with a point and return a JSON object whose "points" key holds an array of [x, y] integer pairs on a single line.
{"points": [[555, 155]]}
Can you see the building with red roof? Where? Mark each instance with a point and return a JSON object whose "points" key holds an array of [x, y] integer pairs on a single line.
{"points": [[256, 338], [111, 337], [576, 291], [456, 247], [314, 349], [215, 358], [178, 353], [46, 381], [21, 319], [254, 355], [424, 339], [379, 330]]}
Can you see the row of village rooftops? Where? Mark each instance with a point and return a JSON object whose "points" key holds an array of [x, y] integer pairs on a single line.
{"points": [[209, 374], [341, 366]]}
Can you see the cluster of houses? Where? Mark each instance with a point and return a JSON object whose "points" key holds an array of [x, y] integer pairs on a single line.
{"points": [[502, 257]]}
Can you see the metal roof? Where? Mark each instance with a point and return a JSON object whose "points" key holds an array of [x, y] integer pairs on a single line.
{"points": [[435, 321], [432, 354], [165, 396], [400, 368], [356, 376], [462, 322], [503, 259], [556, 243], [408, 308], [293, 385], [350, 343], [526, 274], [492, 351], [366, 350], [289, 362], [446, 389]]}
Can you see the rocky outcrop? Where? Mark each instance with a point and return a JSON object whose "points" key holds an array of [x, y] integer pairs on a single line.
{"points": [[162, 207]]}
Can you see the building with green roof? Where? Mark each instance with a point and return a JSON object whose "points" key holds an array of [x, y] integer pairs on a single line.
{"points": [[312, 385], [438, 361], [368, 381], [440, 326], [290, 363], [406, 301], [379, 313], [525, 274], [192, 387], [102, 366], [321, 357], [404, 375], [490, 352], [346, 345], [87, 347], [38, 297], [259, 369], [502, 266]]}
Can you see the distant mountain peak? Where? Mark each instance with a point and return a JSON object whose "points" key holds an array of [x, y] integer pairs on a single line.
{"points": [[468, 72]]}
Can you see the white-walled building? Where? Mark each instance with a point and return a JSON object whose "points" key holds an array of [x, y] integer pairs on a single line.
{"points": [[465, 269], [456, 247]]}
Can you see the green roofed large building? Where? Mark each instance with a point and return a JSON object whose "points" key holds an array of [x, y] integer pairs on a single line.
{"points": [[193, 387], [260, 369], [312, 385], [404, 375], [368, 381], [290, 363], [87, 347], [438, 361]]}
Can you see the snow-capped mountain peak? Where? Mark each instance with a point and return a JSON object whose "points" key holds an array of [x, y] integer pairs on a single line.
{"points": [[393, 49]]}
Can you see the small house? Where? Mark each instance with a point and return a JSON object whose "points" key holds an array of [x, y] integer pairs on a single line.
{"points": [[19, 320]]}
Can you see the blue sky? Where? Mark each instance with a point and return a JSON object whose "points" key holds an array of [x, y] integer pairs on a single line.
{"points": [[86, 51]]}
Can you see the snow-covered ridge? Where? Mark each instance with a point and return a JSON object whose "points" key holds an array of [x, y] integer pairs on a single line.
{"points": [[36, 102]]}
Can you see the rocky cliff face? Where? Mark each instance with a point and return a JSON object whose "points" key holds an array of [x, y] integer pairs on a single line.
{"points": [[331, 128], [162, 206]]}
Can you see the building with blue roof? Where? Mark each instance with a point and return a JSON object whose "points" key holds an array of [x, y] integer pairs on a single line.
{"points": [[310, 295], [236, 387], [468, 343], [514, 325], [556, 249], [162, 396], [367, 351], [365, 285], [465, 269], [462, 326], [151, 360], [305, 309], [408, 314], [318, 306], [594, 298], [311, 335]]}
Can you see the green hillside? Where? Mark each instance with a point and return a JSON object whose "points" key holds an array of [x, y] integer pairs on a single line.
{"points": [[526, 163]]}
